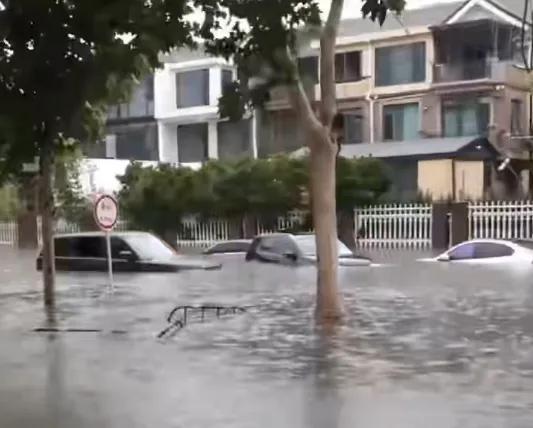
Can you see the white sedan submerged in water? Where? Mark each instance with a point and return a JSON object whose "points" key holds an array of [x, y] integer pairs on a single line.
{"points": [[488, 251]]}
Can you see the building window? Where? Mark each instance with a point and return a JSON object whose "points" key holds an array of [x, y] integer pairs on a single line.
{"points": [[234, 139], [353, 127], [137, 143], [227, 80], [516, 117], [396, 65], [401, 122], [141, 103], [308, 68], [464, 119], [348, 67], [192, 88], [192, 143]]}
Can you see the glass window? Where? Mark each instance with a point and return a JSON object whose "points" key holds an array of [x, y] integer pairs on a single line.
{"points": [[62, 247], [348, 67], [307, 245], [141, 103], [87, 247], [353, 127], [192, 142], [277, 244], [462, 252], [137, 143], [308, 67], [234, 139], [230, 247], [117, 246], [401, 122], [401, 64], [227, 79], [148, 247], [192, 88], [464, 119], [516, 117], [487, 250]]}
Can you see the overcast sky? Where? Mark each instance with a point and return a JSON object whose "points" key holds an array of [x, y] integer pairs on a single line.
{"points": [[352, 7]]}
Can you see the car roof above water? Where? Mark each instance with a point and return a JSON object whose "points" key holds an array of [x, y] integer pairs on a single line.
{"points": [[99, 234]]}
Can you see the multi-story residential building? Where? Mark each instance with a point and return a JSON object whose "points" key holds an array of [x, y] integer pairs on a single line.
{"points": [[190, 130], [439, 94]]}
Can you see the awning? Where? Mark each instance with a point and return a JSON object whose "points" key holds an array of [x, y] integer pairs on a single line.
{"points": [[424, 148]]}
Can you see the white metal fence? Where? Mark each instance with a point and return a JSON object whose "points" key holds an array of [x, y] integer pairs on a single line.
{"points": [[394, 226], [196, 233], [501, 220], [383, 226]]}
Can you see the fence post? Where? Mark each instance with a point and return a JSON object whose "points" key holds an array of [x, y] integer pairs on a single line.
{"points": [[440, 232], [459, 224]]}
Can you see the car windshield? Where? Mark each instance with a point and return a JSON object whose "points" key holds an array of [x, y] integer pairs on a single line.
{"points": [[525, 243], [307, 246], [148, 247]]}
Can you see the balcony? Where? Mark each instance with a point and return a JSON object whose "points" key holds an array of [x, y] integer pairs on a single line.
{"points": [[472, 70], [494, 70]]}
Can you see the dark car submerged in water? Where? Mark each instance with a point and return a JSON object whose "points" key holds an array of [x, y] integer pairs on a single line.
{"points": [[288, 249], [131, 252]]}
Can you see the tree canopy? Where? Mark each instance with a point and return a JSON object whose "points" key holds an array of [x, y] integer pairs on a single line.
{"points": [[63, 61]]}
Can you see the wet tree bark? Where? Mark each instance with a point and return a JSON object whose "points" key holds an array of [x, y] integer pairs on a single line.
{"points": [[322, 163], [323, 153], [47, 218]]}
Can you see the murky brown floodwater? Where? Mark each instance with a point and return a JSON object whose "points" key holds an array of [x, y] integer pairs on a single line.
{"points": [[423, 345]]}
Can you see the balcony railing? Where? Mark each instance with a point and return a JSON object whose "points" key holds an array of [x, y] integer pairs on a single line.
{"points": [[462, 71]]}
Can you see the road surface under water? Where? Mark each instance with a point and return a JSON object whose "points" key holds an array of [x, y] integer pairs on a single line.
{"points": [[422, 345]]}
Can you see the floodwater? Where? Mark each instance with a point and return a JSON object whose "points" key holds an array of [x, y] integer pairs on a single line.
{"points": [[422, 345]]}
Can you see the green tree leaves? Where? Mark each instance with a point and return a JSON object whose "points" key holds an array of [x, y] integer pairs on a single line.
{"points": [[157, 198]]}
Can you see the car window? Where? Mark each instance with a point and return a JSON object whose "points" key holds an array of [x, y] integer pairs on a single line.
{"points": [[462, 252], [307, 245], [229, 247], [277, 244], [148, 247], [117, 246], [87, 246], [62, 247], [487, 250]]}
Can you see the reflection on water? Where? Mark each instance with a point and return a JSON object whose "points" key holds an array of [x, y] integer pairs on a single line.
{"points": [[421, 342]]}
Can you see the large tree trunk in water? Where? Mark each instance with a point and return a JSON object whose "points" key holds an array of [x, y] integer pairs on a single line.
{"points": [[323, 204], [47, 216]]}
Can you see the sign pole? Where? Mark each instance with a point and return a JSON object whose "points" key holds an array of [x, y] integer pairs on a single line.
{"points": [[106, 216], [109, 259]]}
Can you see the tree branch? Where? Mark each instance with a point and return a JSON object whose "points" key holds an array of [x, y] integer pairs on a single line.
{"points": [[298, 97], [327, 64]]}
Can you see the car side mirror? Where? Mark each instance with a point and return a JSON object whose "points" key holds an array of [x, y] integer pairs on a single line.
{"points": [[126, 255], [444, 258]]}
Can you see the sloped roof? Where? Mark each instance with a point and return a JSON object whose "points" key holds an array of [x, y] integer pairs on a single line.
{"points": [[410, 18], [423, 147]]}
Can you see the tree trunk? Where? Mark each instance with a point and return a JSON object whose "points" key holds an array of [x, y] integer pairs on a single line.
{"points": [[323, 205], [47, 216]]}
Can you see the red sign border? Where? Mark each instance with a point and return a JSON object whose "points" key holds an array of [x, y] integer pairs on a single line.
{"points": [[100, 198]]}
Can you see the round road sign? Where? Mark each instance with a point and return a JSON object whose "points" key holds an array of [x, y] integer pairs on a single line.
{"points": [[106, 212]]}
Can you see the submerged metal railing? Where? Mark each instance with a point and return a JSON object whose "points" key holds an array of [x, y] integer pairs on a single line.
{"points": [[180, 315]]}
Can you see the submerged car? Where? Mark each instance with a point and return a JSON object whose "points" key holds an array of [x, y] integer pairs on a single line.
{"points": [[131, 252], [285, 248], [238, 247], [488, 251]]}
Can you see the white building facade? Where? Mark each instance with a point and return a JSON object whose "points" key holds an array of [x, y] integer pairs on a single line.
{"points": [[190, 131]]}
